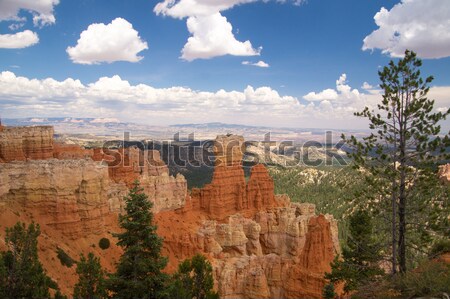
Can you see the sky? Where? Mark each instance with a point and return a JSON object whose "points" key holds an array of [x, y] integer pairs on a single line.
{"points": [[281, 63]]}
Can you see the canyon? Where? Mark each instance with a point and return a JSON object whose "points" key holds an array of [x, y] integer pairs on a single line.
{"points": [[261, 245]]}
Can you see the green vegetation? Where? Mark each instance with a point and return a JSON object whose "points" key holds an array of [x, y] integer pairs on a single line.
{"points": [[328, 291], [331, 189], [22, 275], [91, 278], [361, 256], [402, 149], [104, 243], [439, 247], [193, 280], [139, 271], [64, 258], [429, 280]]}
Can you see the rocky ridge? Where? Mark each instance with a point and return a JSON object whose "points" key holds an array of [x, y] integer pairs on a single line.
{"points": [[261, 245]]}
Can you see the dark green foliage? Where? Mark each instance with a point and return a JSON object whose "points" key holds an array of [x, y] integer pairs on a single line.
{"points": [[360, 257], [25, 276], [64, 258], [328, 291], [104, 243], [400, 154], [193, 280], [439, 247], [428, 279], [138, 273], [58, 295], [91, 278], [3, 277]]}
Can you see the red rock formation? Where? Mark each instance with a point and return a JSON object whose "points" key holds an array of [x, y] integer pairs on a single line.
{"points": [[444, 173], [260, 245], [129, 164], [71, 151], [22, 143], [260, 189], [228, 192]]}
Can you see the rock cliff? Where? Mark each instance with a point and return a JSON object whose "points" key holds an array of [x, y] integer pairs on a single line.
{"points": [[74, 198], [444, 173], [22, 143], [228, 192], [261, 245]]}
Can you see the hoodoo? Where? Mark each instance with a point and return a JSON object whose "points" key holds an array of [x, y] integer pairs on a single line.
{"points": [[261, 245]]}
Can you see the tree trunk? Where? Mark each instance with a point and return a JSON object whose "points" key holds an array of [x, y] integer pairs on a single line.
{"points": [[401, 235], [394, 231]]}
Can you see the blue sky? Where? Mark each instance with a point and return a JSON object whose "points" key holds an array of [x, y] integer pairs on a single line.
{"points": [[283, 63]]}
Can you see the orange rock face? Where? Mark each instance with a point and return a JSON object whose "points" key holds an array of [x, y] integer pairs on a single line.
{"points": [[228, 192], [72, 196], [22, 143], [71, 151], [261, 245], [444, 173]]}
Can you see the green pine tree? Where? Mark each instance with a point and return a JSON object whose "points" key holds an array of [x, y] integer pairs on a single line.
{"points": [[91, 278], [139, 271], [360, 257], [193, 280], [25, 276], [3, 277], [328, 291], [401, 153]]}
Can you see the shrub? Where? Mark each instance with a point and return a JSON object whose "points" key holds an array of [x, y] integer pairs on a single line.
{"points": [[104, 243], [439, 247], [64, 258], [328, 292], [431, 278]]}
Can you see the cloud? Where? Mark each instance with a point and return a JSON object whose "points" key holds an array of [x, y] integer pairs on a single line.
{"points": [[211, 33], [366, 86], [104, 120], [18, 40], [115, 99], [42, 10], [442, 109], [117, 41], [212, 36], [422, 26], [338, 104], [16, 26], [343, 100], [188, 8], [258, 64], [342, 91]]}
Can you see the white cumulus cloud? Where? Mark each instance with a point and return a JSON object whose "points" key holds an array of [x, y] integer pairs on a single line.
{"points": [[187, 8], [422, 26], [116, 41], [18, 40], [211, 33], [213, 36], [115, 99], [258, 64], [42, 12]]}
